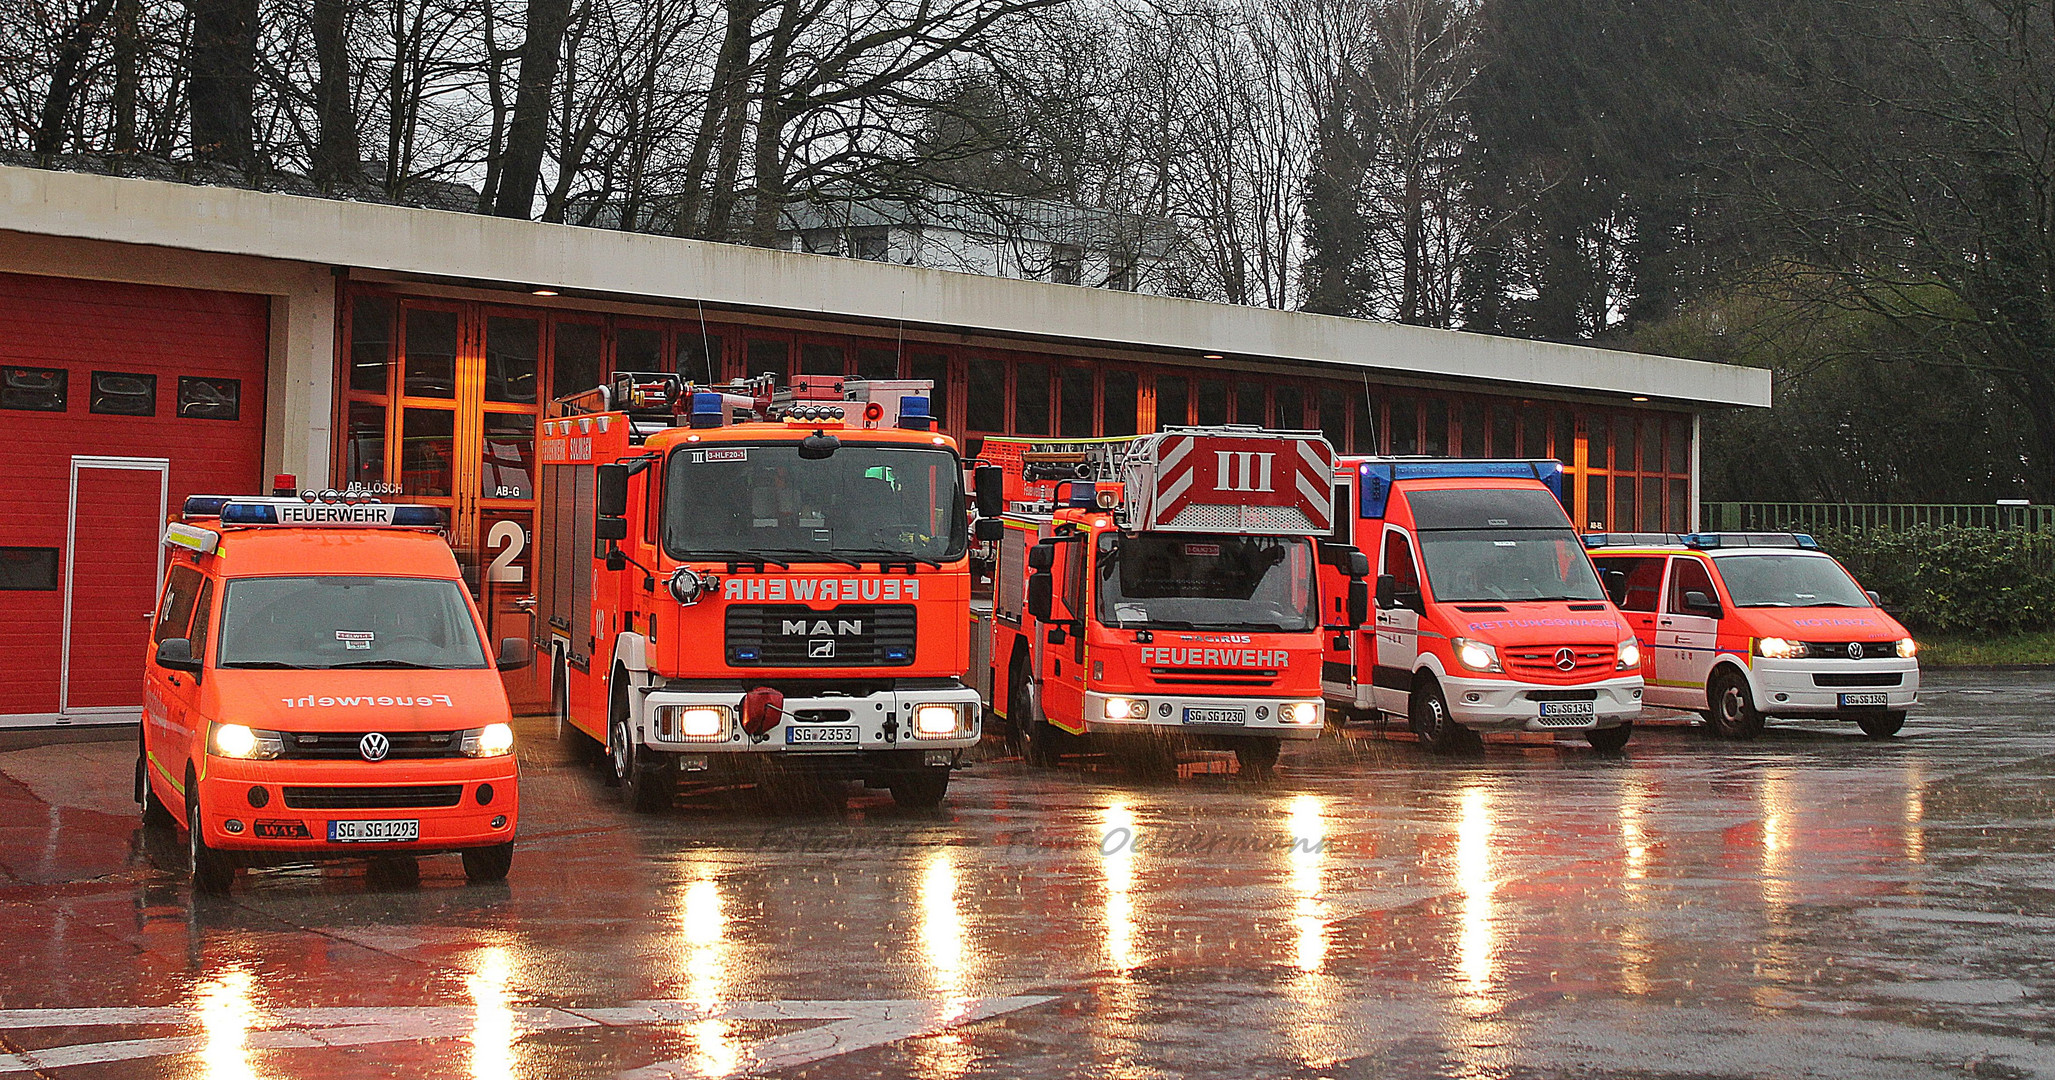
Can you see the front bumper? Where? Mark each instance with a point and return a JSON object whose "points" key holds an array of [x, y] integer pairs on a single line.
{"points": [[1512, 705], [881, 721], [225, 796], [1165, 713], [1788, 687]]}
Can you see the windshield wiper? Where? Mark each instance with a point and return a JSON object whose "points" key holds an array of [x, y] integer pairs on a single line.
{"points": [[809, 553], [732, 556], [387, 664], [279, 665], [883, 556]]}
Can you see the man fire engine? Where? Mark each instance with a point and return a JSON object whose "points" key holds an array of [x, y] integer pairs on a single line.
{"points": [[1175, 608], [1489, 614], [747, 582]]}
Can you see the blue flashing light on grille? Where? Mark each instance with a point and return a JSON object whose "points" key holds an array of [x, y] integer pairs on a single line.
{"points": [[708, 410], [746, 654], [896, 655], [914, 415]]}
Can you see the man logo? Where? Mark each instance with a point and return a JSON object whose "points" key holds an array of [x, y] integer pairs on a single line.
{"points": [[374, 746], [820, 649], [840, 627], [1565, 659]]}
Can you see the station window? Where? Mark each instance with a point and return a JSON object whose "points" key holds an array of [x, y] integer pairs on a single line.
{"points": [[1118, 403], [370, 343], [879, 364], [934, 367], [431, 353], [986, 405], [576, 360], [364, 445], [1251, 403], [769, 356], [1405, 426], [1366, 429], [1334, 416], [123, 393], [637, 348], [33, 389], [699, 354], [1031, 399], [28, 569], [1213, 401], [1472, 433], [1434, 427], [1288, 407], [819, 359], [1076, 401], [1173, 400], [512, 357], [209, 399]]}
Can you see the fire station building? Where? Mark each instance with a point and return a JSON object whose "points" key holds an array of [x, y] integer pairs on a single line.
{"points": [[158, 340]]}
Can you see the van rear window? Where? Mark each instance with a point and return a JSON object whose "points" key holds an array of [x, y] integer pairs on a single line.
{"points": [[1486, 508]]}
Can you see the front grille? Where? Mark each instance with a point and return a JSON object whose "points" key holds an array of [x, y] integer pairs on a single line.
{"points": [[344, 745], [373, 798], [852, 635], [1562, 695], [1539, 662], [1838, 650], [1859, 678]]}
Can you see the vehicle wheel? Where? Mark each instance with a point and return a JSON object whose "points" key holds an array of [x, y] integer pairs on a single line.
{"points": [[156, 815], [1730, 710], [213, 873], [1881, 725], [1037, 738], [1432, 722], [1256, 757], [922, 790], [646, 785], [1610, 740], [484, 865]]}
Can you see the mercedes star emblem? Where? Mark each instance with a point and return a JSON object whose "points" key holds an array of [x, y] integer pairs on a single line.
{"points": [[1565, 659], [374, 746]]}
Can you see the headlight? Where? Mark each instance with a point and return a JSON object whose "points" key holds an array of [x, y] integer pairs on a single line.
{"points": [[492, 740], [1476, 655], [692, 723], [1777, 648], [1303, 713], [237, 741], [1629, 655], [1122, 708], [1908, 647], [936, 721]]}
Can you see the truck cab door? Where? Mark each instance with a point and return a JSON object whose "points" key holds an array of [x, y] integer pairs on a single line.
{"points": [[1398, 627], [1337, 654], [1062, 648], [1686, 638], [1641, 602]]}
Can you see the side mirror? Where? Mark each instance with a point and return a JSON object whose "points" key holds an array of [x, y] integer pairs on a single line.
{"points": [[1359, 564], [1387, 592], [610, 497], [1041, 596], [1042, 556], [176, 653], [1873, 597], [515, 653], [610, 528], [991, 485], [1358, 603], [1616, 586], [988, 528], [1702, 604]]}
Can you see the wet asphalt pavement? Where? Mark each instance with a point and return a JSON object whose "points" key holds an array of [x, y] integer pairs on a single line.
{"points": [[1812, 904]]}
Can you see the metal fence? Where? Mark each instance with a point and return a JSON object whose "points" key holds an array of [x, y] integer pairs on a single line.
{"points": [[1860, 517]]}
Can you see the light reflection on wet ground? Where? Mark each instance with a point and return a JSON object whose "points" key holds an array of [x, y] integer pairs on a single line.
{"points": [[1814, 903]]}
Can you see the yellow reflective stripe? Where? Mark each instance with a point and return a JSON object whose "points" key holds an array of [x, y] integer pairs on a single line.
{"points": [[166, 773]]}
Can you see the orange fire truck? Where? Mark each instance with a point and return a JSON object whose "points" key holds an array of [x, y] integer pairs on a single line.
{"points": [[748, 582], [1160, 594]]}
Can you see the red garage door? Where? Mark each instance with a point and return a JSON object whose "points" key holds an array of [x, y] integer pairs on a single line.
{"points": [[115, 401]]}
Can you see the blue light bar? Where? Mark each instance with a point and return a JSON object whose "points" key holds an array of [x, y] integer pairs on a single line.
{"points": [[707, 410], [1378, 476], [1628, 539], [1714, 541], [914, 415], [294, 513], [205, 505]]}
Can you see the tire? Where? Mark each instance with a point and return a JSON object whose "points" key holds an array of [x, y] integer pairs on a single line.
{"points": [[1429, 714], [646, 786], [1610, 740], [485, 865], [213, 872], [922, 790], [1037, 738], [1730, 710], [156, 815], [1881, 725], [1256, 757]]}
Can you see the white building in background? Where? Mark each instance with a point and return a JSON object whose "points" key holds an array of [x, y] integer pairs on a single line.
{"points": [[1025, 239]]}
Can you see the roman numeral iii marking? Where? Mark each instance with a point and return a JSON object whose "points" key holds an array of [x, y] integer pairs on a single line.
{"points": [[1243, 470]]}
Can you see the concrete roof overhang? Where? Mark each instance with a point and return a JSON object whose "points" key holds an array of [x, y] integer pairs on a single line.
{"points": [[505, 253]]}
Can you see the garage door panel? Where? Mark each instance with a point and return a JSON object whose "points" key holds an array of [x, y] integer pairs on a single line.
{"points": [[113, 583]]}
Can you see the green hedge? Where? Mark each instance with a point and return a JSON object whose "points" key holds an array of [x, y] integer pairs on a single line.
{"points": [[1954, 580]]}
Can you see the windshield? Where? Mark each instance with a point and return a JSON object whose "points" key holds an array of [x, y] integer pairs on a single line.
{"points": [[1507, 565], [864, 501], [344, 622], [1206, 582], [1789, 581]]}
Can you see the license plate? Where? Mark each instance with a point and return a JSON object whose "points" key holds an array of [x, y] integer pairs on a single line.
{"points": [[829, 735], [1216, 716], [1569, 708], [1850, 700], [372, 832]]}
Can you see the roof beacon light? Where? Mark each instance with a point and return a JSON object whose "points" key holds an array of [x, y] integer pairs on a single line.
{"points": [[1715, 541], [913, 413], [708, 410], [348, 515], [205, 506], [1378, 474]]}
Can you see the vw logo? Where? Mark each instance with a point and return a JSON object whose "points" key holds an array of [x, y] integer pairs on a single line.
{"points": [[374, 746], [1855, 650], [1566, 659]]}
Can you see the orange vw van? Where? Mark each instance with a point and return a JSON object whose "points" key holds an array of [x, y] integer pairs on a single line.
{"points": [[319, 687]]}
